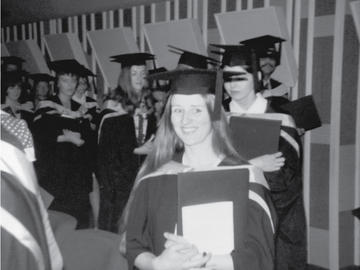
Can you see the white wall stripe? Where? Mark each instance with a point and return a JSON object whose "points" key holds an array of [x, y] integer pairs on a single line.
{"points": [[35, 32], [176, 10], [296, 42], [238, 6], [153, 13], [142, 22], [289, 16], [307, 136], [133, 22], [335, 135], [2, 35], [195, 9], [104, 20], [266, 3], [76, 25], [30, 31], [59, 26], [121, 17], [356, 17], [250, 4], [42, 46], [189, 9], [257, 198], [83, 27], [70, 25], [15, 33], [205, 21], [23, 32], [223, 6], [18, 231], [167, 11], [7, 33], [92, 21], [111, 19]]}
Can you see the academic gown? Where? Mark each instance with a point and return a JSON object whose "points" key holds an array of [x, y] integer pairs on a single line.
{"points": [[154, 211], [117, 165], [287, 194], [63, 168], [276, 101]]}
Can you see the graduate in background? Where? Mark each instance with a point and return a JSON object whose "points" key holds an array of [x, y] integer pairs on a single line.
{"points": [[268, 52], [81, 96], [63, 136], [283, 170], [41, 87], [120, 133], [191, 136], [12, 93]]}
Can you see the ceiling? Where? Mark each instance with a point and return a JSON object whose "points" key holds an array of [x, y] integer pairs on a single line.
{"points": [[25, 11]]}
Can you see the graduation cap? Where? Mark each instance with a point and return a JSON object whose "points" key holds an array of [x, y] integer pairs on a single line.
{"points": [[67, 66], [192, 59], [41, 77], [85, 72], [132, 59], [157, 70], [196, 81], [356, 212], [239, 55], [304, 112], [11, 77], [266, 46], [12, 60]]}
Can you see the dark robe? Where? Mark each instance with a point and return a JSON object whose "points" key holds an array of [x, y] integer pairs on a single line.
{"points": [[287, 194], [154, 211], [117, 165], [63, 168]]}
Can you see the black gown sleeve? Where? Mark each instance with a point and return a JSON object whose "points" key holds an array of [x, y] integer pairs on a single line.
{"points": [[258, 249], [137, 235]]}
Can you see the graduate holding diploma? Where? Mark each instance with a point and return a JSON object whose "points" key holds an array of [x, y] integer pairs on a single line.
{"points": [[193, 136]]}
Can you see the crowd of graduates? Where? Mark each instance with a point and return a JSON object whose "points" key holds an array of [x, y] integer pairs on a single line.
{"points": [[86, 142]]}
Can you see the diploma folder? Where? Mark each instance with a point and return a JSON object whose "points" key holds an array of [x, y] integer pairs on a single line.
{"points": [[254, 137], [212, 208], [304, 112]]}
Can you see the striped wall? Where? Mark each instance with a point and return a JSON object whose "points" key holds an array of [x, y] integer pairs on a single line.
{"points": [[326, 48]]}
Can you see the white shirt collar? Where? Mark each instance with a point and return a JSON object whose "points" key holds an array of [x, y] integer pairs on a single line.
{"points": [[258, 106]]}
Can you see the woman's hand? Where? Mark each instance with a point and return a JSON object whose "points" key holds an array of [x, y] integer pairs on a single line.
{"points": [[269, 163], [179, 254], [72, 137]]}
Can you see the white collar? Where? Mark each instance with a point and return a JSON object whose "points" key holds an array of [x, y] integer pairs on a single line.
{"points": [[258, 106]]}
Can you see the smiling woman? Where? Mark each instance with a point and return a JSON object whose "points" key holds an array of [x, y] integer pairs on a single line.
{"points": [[191, 136]]}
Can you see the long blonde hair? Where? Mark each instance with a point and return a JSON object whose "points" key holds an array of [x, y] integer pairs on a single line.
{"points": [[167, 143]]}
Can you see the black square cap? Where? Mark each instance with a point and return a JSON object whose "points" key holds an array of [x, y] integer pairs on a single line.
{"points": [[196, 81], [192, 59], [356, 212], [266, 46], [157, 70], [12, 77], [240, 55], [235, 55], [132, 59], [41, 77], [85, 72], [67, 66]]}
